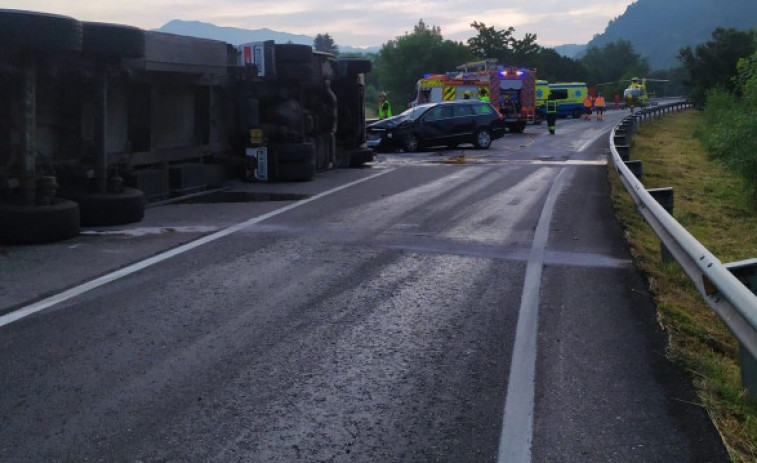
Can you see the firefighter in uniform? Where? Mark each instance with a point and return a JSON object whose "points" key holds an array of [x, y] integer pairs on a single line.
{"points": [[384, 108], [588, 103], [483, 96], [551, 115], [599, 103]]}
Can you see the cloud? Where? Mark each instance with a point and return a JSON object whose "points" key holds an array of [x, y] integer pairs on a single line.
{"points": [[355, 23]]}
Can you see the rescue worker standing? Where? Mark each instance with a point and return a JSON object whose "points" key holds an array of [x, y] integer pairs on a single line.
{"points": [[384, 108], [599, 103], [551, 115], [483, 96], [588, 103], [466, 95]]}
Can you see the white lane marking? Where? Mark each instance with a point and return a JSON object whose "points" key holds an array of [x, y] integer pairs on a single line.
{"points": [[518, 420], [105, 279]]}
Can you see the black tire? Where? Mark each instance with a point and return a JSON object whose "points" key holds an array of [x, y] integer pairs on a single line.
{"points": [[330, 150], [411, 144], [294, 72], [104, 209], [113, 40], [39, 31], [295, 162], [360, 156], [321, 157], [296, 172], [518, 127], [353, 66], [294, 153], [39, 224], [577, 113], [293, 53], [482, 139]]}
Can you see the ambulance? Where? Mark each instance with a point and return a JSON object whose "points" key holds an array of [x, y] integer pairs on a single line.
{"points": [[569, 95]]}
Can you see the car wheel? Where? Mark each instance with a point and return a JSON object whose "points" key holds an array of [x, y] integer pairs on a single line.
{"points": [[411, 144], [483, 139]]}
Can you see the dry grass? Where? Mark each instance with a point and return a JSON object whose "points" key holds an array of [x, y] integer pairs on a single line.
{"points": [[713, 206]]}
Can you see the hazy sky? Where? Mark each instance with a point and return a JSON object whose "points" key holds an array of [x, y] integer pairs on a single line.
{"points": [[354, 22]]}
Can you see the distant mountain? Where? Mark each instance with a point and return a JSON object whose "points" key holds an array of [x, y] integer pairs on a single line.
{"points": [[571, 50], [237, 36], [658, 29]]}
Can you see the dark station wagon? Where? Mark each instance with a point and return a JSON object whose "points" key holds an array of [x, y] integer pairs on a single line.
{"points": [[449, 123]]}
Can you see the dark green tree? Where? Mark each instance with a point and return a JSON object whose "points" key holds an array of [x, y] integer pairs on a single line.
{"points": [[525, 52], [554, 67], [500, 45], [713, 64], [491, 43], [325, 43], [401, 62], [615, 61]]}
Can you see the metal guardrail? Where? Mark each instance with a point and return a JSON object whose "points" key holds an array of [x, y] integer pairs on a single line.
{"points": [[729, 289]]}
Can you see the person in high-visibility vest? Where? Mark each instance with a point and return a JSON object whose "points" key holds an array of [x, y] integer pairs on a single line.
{"points": [[483, 95], [384, 108], [588, 103], [551, 115], [599, 103]]}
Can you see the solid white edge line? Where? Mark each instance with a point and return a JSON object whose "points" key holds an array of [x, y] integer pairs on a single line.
{"points": [[105, 279], [518, 417]]}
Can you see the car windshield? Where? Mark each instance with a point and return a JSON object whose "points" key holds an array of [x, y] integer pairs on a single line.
{"points": [[414, 112]]}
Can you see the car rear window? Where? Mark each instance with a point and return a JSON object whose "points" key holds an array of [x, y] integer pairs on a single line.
{"points": [[483, 109]]}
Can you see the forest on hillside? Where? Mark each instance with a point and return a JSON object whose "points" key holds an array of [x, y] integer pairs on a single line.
{"points": [[658, 29]]}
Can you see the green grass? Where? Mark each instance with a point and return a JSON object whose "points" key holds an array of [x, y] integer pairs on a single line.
{"points": [[714, 205]]}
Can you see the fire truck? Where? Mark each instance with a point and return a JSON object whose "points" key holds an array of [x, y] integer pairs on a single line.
{"points": [[511, 90]]}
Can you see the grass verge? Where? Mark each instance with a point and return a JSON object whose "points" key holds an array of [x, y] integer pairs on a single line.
{"points": [[712, 204]]}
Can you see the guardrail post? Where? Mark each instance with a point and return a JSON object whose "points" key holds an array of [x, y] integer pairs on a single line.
{"points": [[746, 272], [748, 371], [635, 168], [624, 151], [664, 196]]}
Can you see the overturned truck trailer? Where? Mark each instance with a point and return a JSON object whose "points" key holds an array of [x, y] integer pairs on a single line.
{"points": [[298, 111], [98, 119]]}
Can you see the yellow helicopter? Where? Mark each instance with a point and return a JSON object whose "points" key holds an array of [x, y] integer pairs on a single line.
{"points": [[635, 95]]}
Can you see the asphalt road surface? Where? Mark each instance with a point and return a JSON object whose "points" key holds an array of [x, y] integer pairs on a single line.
{"points": [[443, 306]]}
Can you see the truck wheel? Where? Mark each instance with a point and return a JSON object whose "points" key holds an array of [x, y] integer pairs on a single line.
{"points": [[39, 224], [360, 156], [113, 40], [577, 113], [39, 31], [293, 53], [103, 209], [296, 172], [353, 66], [483, 139], [293, 153], [294, 72], [295, 161]]}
